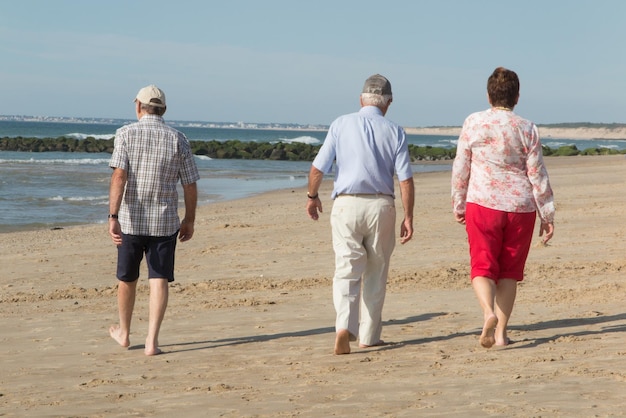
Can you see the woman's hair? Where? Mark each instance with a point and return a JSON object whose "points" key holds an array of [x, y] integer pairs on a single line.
{"points": [[503, 88]]}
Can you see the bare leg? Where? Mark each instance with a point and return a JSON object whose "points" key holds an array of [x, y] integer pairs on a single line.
{"points": [[485, 290], [126, 292], [159, 292], [342, 342], [506, 292]]}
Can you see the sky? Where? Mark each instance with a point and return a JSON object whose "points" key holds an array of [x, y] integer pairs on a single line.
{"points": [[290, 61]]}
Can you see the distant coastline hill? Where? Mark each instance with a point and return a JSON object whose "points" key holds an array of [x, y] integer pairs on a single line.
{"points": [[576, 130]]}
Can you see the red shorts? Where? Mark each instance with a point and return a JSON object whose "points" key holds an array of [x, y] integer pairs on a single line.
{"points": [[498, 241]]}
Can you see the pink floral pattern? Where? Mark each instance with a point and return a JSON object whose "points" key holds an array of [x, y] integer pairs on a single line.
{"points": [[499, 165]]}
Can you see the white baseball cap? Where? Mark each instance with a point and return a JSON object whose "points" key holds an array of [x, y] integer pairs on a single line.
{"points": [[151, 95]]}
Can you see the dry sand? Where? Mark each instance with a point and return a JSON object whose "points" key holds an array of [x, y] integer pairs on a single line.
{"points": [[249, 329]]}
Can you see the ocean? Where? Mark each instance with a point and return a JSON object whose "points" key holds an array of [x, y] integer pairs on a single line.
{"points": [[58, 189]]}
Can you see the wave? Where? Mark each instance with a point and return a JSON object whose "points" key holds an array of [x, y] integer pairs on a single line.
{"points": [[103, 199], [72, 161], [203, 157], [78, 135], [301, 139], [443, 143], [580, 144]]}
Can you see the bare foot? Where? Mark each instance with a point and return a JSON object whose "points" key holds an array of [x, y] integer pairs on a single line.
{"points": [[152, 349], [116, 333], [379, 343], [152, 352], [342, 342], [504, 342], [487, 338]]}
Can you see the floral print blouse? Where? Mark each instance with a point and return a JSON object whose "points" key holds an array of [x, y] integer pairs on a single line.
{"points": [[499, 165]]}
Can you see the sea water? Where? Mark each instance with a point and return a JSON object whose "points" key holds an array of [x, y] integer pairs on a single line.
{"points": [[58, 189]]}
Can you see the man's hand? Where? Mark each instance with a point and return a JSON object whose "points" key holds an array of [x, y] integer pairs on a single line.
{"points": [[186, 231], [115, 231], [406, 231], [312, 207]]}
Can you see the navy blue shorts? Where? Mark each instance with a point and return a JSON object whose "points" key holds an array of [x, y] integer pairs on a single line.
{"points": [[159, 253]]}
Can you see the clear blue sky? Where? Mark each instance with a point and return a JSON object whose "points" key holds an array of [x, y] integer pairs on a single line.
{"points": [[292, 61]]}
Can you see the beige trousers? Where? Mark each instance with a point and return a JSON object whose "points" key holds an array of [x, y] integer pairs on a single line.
{"points": [[363, 230]]}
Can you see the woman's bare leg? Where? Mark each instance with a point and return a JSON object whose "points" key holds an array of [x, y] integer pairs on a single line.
{"points": [[506, 291], [485, 290]]}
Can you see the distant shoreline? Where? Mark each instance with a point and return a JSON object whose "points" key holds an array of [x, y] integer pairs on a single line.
{"points": [[617, 133], [588, 131]]}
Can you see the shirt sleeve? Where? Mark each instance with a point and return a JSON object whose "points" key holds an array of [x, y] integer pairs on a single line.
{"points": [[326, 155], [188, 168], [538, 177], [461, 172], [403, 159], [119, 157]]}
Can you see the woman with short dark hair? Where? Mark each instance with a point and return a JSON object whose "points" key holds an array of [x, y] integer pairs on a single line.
{"points": [[499, 184]]}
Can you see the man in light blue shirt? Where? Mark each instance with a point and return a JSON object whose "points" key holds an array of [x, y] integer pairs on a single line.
{"points": [[366, 150]]}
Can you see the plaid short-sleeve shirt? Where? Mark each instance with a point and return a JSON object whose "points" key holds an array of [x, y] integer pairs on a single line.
{"points": [[155, 157]]}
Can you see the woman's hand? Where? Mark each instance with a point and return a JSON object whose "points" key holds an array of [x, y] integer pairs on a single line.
{"points": [[548, 229]]}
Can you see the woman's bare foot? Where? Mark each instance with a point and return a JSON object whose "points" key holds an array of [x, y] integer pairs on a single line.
{"points": [[116, 333], [152, 349], [503, 342], [342, 342], [487, 338]]}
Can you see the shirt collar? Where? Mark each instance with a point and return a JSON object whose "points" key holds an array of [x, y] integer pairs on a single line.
{"points": [[154, 117], [371, 110]]}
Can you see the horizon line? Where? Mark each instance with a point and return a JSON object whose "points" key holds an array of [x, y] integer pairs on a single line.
{"points": [[247, 125]]}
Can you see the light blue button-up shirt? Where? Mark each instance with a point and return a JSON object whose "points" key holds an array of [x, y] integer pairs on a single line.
{"points": [[367, 150]]}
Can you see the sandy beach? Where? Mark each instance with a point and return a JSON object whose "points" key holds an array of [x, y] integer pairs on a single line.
{"points": [[249, 327]]}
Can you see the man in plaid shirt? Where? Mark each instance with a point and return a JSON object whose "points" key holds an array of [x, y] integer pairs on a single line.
{"points": [[149, 158]]}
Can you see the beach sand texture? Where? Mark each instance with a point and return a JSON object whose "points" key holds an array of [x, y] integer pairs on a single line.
{"points": [[249, 328]]}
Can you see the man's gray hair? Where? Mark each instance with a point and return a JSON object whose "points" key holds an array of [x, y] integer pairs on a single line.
{"points": [[152, 110], [372, 99]]}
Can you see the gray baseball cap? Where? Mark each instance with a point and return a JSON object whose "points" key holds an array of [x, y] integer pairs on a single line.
{"points": [[377, 84]]}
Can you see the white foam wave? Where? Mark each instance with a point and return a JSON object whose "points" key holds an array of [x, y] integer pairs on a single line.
{"points": [[74, 161], [302, 139], [554, 144], [79, 135], [79, 198], [203, 157]]}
